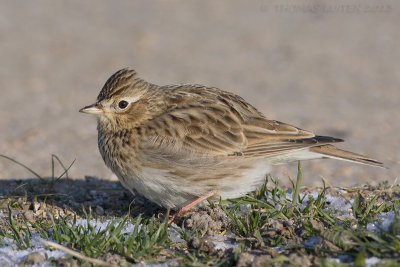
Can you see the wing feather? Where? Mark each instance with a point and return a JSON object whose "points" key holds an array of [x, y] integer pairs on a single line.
{"points": [[209, 122]]}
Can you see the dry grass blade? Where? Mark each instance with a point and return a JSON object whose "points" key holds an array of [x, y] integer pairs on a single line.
{"points": [[296, 192], [22, 165], [76, 254]]}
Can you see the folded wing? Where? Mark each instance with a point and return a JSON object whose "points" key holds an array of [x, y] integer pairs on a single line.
{"points": [[203, 122]]}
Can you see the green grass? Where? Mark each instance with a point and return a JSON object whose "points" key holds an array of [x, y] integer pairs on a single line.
{"points": [[348, 235], [144, 243], [264, 220]]}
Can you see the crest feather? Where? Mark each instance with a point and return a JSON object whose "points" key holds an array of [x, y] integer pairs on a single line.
{"points": [[120, 80]]}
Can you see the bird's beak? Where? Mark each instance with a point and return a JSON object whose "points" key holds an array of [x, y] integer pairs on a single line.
{"points": [[92, 109]]}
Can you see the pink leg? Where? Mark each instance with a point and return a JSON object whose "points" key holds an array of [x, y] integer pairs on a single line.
{"points": [[187, 207]]}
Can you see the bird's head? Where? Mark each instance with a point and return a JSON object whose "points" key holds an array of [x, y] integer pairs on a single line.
{"points": [[124, 100]]}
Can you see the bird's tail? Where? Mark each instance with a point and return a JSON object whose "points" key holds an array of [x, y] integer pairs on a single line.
{"points": [[331, 151]]}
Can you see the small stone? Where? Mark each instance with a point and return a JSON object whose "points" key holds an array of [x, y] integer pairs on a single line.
{"points": [[262, 260], [35, 258], [39, 213], [202, 244], [99, 210], [29, 215], [3, 204], [67, 262], [35, 206], [245, 259], [276, 225], [116, 260], [317, 225], [26, 207], [300, 260]]}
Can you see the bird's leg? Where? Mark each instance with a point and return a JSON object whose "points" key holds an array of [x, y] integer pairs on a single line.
{"points": [[187, 207]]}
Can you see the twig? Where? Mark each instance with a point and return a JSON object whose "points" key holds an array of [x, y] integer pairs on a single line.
{"points": [[75, 253]]}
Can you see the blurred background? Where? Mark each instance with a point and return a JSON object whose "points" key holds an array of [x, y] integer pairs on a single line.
{"points": [[331, 67]]}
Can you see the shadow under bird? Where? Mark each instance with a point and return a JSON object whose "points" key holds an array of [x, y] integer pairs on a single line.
{"points": [[179, 144]]}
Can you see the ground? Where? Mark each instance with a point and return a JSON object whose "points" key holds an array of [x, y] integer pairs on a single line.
{"points": [[103, 222]]}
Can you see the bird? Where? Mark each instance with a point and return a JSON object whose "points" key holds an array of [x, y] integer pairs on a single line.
{"points": [[178, 145]]}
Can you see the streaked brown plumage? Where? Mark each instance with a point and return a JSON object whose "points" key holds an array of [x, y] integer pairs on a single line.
{"points": [[175, 143]]}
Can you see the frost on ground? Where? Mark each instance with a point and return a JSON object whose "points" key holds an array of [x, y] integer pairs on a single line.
{"points": [[209, 224], [383, 222], [101, 226], [10, 256], [369, 262]]}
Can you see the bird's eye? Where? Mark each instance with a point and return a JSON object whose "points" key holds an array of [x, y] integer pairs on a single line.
{"points": [[122, 104]]}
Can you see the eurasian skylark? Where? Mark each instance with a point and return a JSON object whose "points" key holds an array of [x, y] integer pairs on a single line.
{"points": [[176, 144]]}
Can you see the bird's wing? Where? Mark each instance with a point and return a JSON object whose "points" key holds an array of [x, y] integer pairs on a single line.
{"points": [[211, 122]]}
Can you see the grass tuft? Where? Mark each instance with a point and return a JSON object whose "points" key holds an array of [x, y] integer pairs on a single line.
{"points": [[272, 225]]}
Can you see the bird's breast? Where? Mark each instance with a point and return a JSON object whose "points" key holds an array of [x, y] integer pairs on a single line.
{"points": [[119, 151]]}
